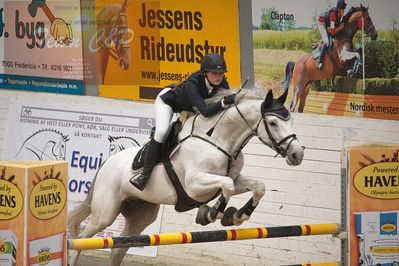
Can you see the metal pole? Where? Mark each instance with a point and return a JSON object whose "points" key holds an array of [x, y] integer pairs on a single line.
{"points": [[205, 236], [363, 59]]}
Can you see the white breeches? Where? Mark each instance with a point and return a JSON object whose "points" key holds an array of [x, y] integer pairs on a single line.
{"points": [[323, 32], [163, 116]]}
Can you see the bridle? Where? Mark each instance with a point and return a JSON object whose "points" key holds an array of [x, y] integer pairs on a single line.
{"points": [[120, 37], [275, 145]]}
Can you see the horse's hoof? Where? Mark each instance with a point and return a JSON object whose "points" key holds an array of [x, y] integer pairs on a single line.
{"points": [[228, 216], [202, 215]]}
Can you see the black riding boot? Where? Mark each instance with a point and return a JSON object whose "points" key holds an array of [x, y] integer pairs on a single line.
{"points": [[323, 52], [150, 160]]}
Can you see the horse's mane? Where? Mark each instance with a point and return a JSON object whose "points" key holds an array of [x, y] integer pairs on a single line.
{"points": [[250, 93], [64, 137], [116, 138], [353, 10]]}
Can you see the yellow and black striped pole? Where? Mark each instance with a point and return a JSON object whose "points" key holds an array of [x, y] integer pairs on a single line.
{"points": [[205, 236]]}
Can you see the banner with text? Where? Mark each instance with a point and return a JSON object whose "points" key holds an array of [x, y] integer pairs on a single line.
{"points": [[143, 46], [41, 44], [84, 138], [359, 75], [373, 204]]}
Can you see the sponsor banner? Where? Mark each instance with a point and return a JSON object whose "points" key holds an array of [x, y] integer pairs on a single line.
{"points": [[153, 44], [357, 105], [12, 190], [359, 76], [84, 138], [47, 251], [33, 207], [42, 46], [377, 237], [373, 201]]}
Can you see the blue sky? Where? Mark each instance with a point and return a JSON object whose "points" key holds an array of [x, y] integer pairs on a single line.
{"points": [[381, 11]]}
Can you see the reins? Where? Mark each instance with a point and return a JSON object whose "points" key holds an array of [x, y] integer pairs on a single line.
{"points": [[254, 132], [210, 131]]}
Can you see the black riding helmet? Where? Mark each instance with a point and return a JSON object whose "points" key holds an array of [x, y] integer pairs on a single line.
{"points": [[213, 63], [341, 4]]}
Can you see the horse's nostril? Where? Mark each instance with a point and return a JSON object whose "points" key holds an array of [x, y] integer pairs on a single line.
{"points": [[294, 156]]}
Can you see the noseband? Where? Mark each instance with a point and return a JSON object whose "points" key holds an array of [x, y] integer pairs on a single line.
{"points": [[275, 145]]}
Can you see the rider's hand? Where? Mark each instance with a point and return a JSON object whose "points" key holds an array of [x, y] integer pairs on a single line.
{"points": [[340, 27], [228, 99]]}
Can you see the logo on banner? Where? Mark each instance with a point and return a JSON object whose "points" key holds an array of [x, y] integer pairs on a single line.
{"points": [[44, 256], [48, 196], [379, 180], [11, 200], [45, 145]]}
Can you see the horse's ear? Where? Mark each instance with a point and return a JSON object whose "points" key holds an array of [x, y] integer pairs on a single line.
{"points": [[125, 5], [283, 97], [269, 98]]}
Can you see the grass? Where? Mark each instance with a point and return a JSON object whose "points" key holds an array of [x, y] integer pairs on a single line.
{"points": [[290, 40]]}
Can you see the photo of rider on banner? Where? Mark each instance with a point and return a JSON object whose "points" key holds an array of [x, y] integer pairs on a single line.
{"points": [[337, 57]]}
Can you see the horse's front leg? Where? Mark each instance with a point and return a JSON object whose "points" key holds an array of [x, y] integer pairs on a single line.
{"points": [[348, 55], [205, 183], [244, 184]]}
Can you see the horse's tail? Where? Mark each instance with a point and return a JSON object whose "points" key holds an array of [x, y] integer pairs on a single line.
{"points": [[289, 69], [81, 212]]}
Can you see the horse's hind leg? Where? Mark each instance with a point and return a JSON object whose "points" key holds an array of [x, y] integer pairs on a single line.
{"points": [[298, 87], [242, 185], [138, 215], [103, 215], [303, 97]]}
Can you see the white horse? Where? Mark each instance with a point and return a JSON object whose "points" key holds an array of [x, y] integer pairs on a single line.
{"points": [[205, 165]]}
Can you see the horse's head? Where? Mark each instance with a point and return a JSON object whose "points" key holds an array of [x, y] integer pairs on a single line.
{"points": [[277, 129], [360, 17], [60, 148], [122, 40], [369, 28], [117, 144]]}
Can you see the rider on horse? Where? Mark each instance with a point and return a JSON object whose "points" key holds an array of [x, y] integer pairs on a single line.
{"points": [[329, 21], [186, 95]]}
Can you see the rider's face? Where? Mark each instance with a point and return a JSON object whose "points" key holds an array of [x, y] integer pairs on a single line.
{"points": [[215, 77], [341, 12]]}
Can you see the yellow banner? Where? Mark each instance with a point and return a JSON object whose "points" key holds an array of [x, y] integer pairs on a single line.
{"points": [[143, 46]]}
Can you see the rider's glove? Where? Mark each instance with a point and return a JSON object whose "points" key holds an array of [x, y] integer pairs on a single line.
{"points": [[228, 99]]}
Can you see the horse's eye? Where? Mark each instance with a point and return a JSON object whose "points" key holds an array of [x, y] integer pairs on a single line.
{"points": [[273, 123]]}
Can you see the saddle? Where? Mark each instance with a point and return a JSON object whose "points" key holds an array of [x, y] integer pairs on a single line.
{"points": [[184, 201], [316, 48], [170, 143]]}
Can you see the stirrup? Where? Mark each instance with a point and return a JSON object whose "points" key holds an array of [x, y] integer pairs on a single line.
{"points": [[319, 65], [140, 181]]}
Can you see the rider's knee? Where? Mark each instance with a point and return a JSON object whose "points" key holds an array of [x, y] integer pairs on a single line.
{"points": [[160, 134]]}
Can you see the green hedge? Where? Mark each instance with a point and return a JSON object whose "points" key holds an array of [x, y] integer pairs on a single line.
{"points": [[374, 86], [381, 55]]}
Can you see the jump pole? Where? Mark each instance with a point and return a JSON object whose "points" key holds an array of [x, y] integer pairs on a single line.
{"points": [[204, 236]]}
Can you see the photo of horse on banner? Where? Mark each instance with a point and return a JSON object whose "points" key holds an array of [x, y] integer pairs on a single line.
{"points": [[113, 37], [341, 59], [199, 168]]}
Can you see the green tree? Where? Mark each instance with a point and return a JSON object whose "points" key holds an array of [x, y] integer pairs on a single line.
{"points": [[394, 23], [266, 21], [288, 24]]}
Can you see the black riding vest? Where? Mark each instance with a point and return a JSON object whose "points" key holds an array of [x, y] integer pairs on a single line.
{"points": [[326, 17], [192, 93]]}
